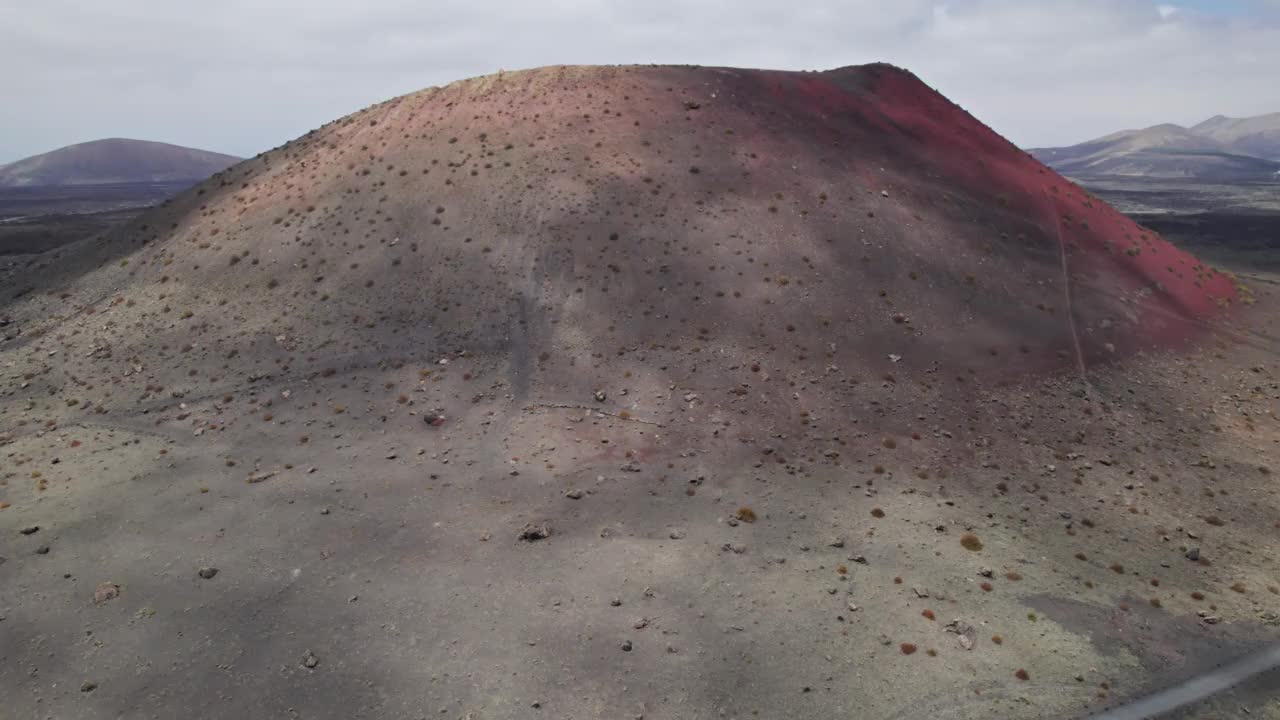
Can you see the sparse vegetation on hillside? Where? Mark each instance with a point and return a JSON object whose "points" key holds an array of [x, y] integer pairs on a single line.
{"points": [[454, 373]]}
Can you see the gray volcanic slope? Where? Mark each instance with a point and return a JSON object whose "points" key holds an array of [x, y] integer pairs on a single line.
{"points": [[618, 392]]}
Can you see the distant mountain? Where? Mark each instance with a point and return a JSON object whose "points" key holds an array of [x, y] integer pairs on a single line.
{"points": [[114, 160], [1257, 136], [1220, 148]]}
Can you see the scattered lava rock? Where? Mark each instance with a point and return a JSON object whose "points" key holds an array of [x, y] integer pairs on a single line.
{"points": [[105, 591], [963, 632], [535, 531]]}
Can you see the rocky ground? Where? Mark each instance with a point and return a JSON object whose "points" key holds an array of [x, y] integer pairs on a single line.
{"points": [[678, 570], [1232, 225], [35, 220]]}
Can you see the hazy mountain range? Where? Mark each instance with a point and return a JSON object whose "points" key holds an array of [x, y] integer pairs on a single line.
{"points": [[1220, 148], [114, 160]]}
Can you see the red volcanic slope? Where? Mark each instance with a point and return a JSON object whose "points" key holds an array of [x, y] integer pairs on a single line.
{"points": [[750, 218], [1104, 252], [1096, 239]]}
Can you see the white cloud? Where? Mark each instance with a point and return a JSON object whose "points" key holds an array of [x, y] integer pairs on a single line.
{"points": [[242, 75]]}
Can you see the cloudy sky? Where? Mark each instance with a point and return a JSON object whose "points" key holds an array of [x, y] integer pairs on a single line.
{"points": [[241, 76]]}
